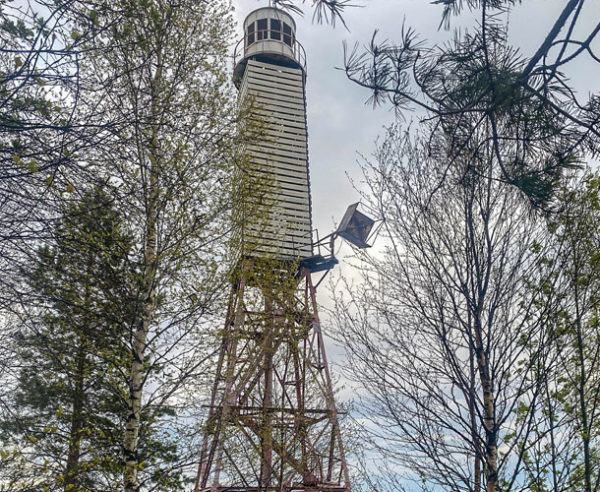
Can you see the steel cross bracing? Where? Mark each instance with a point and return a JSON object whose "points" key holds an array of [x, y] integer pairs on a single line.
{"points": [[273, 424]]}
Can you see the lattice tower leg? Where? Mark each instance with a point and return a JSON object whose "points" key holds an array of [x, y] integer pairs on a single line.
{"points": [[272, 424]]}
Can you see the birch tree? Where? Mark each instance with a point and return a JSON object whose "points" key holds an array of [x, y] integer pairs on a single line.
{"points": [[444, 337], [163, 73]]}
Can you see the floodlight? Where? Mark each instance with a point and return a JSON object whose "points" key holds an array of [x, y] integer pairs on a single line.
{"points": [[355, 227]]}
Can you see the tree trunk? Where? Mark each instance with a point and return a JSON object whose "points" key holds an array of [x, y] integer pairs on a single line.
{"points": [[491, 443], [131, 435], [489, 414], [581, 393], [136, 377], [473, 422], [77, 421], [77, 417], [149, 155]]}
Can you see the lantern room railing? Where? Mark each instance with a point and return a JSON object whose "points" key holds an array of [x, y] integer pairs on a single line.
{"points": [[294, 51]]}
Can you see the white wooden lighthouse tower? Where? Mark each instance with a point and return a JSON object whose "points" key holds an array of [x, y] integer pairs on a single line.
{"points": [[271, 75], [273, 424]]}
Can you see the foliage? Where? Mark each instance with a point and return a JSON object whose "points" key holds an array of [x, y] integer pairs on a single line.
{"points": [[567, 431], [68, 417], [537, 123], [444, 336], [168, 163], [141, 111], [41, 124]]}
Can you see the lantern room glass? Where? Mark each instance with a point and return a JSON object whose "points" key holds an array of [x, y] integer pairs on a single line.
{"points": [[264, 29]]}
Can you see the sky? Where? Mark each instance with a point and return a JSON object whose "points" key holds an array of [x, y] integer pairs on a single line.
{"points": [[341, 126]]}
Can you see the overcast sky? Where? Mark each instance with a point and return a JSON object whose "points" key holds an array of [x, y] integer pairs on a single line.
{"points": [[341, 126]]}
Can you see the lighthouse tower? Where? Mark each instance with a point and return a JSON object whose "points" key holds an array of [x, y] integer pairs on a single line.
{"points": [[272, 421], [270, 76]]}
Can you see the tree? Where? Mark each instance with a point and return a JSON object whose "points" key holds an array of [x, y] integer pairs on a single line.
{"points": [[481, 96], [324, 10], [70, 407], [169, 164], [66, 414], [479, 77], [42, 123], [568, 426], [152, 87], [445, 338]]}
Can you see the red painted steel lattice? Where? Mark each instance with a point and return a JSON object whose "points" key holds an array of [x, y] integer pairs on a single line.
{"points": [[272, 424]]}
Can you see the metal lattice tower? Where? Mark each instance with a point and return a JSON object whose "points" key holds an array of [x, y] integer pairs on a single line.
{"points": [[273, 424]]}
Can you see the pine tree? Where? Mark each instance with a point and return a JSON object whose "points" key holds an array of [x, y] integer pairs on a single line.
{"points": [[70, 346]]}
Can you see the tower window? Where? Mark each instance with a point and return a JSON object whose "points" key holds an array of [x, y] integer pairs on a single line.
{"points": [[250, 38], [275, 29], [269, 29], [261, 29], [287, 34]]}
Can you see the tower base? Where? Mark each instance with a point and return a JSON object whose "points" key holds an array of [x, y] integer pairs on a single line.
{"points": [[272, 424]]}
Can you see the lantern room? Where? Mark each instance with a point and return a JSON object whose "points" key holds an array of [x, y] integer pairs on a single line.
{"points": [[269, 36]]}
